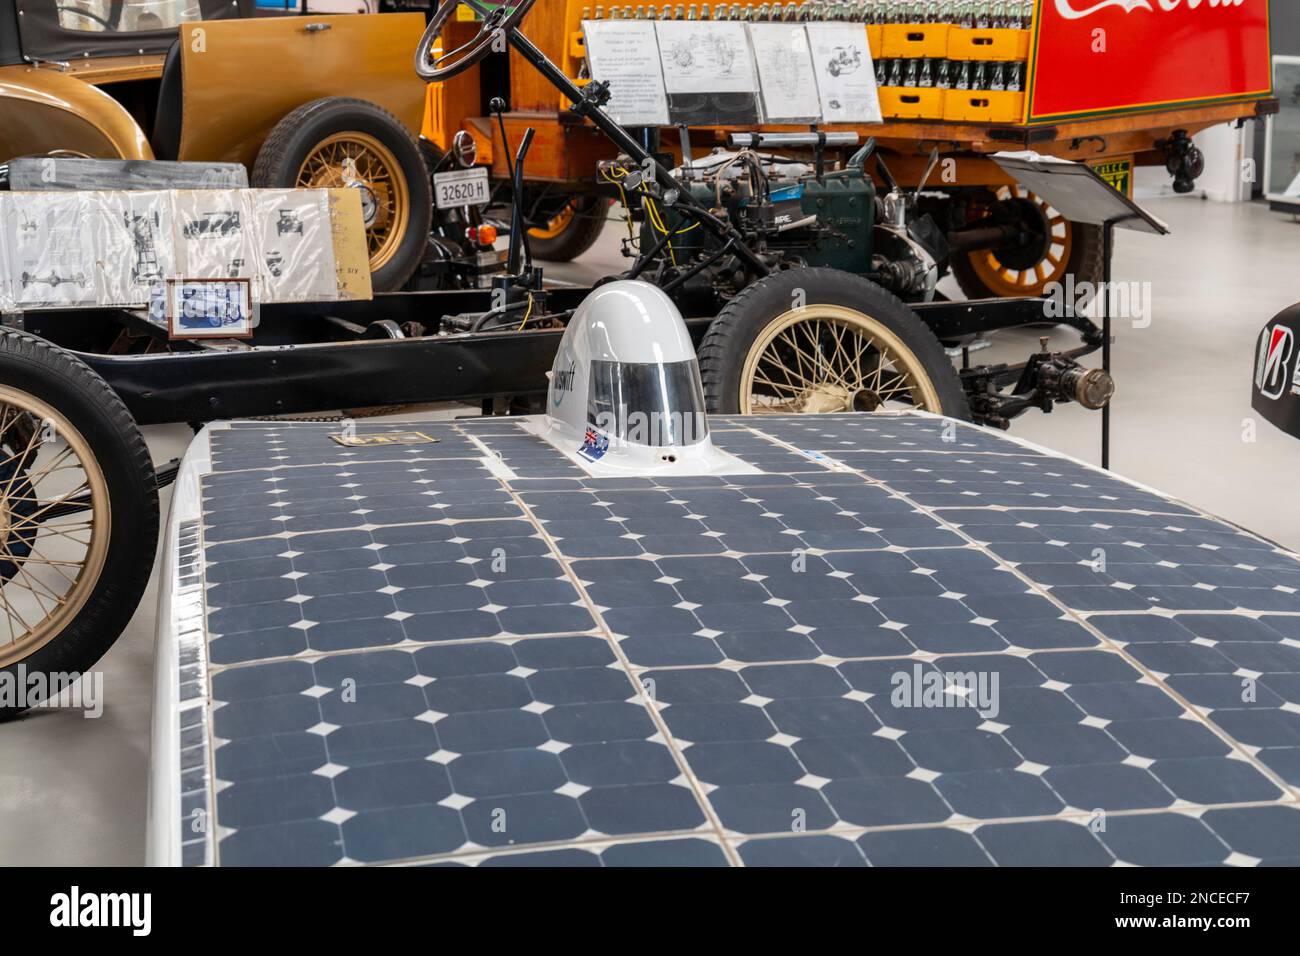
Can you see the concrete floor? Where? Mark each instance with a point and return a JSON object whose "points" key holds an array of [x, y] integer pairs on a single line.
{"points": [[72, 791]]}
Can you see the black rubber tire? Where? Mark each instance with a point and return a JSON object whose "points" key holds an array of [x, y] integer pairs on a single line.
{"points": [[60, 379], [729, 338], [577, 237], [1085, 263], [295, 136]]}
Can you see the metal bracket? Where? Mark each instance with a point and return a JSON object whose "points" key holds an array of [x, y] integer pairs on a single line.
{"points": [[594, 94], [1078, 141]]}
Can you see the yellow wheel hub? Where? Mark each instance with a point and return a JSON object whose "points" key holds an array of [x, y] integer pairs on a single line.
{"points": [[829, 358], [360, 161], [54, 524], [1003, 280], [556, 225]]}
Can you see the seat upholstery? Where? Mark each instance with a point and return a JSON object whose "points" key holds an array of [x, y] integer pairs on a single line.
{"points": [[166, 140]]}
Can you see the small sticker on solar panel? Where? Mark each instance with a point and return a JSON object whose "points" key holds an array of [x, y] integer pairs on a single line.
{"points": [[385, 438]]}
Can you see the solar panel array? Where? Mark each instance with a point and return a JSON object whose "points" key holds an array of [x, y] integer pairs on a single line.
{"points": [[906, 641]]}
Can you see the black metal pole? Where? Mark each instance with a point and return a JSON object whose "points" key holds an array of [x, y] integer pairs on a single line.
{"points": [[518, 238], [1107, 243]]}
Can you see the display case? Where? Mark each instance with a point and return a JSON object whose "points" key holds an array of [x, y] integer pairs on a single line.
{"points": [[1282, 143]]}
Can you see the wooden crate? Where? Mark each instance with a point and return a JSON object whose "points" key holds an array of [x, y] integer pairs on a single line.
{"points": [[1000, 45], [983, 106]]}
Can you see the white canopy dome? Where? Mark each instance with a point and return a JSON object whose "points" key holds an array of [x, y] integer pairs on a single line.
{"points": [[625, 393]]}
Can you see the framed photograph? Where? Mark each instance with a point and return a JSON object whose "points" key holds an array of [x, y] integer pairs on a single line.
{"points": [[209, 308]]}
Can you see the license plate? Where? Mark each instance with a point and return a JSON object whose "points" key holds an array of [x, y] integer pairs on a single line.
{"points": [[461, 187]]}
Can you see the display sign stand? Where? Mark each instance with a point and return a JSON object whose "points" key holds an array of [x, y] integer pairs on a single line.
{"points": [[1080, 195]]}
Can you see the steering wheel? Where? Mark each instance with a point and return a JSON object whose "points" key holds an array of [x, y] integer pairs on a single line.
{"points": [[497, 21]]}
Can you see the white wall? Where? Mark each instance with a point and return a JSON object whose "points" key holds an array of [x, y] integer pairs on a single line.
{"points": [[1224, 147]]}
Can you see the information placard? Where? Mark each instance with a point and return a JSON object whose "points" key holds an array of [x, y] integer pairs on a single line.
{"points": [[846, 78], [625, 54], [708, 72], [785, 72]]}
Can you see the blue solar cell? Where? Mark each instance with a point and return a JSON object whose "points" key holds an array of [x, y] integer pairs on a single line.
{"points": [[405, 664]]}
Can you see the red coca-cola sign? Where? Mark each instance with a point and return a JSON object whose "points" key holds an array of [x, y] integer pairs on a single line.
{"points": [[1094, 56]]}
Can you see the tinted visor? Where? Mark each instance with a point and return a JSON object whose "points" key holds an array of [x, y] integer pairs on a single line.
{"points": [[648, 403]]}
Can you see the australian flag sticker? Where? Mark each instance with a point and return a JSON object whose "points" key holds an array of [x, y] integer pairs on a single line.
{"points": [[594, 445]]}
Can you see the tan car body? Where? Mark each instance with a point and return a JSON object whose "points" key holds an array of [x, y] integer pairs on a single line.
{"points": [[240, 77]]}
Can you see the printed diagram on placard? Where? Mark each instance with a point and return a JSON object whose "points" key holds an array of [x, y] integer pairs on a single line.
{"points": [[49, 253], [221, 223], [144, 231], [213, 234], [704, 57], [292, 237], [845, 60], [787, 73], [625, 54], [846, 80], [787, 78], [289, 222], [133, 244]]}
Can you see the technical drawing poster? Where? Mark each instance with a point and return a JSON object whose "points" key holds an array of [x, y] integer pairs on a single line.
{"points": [[212, 234], [48, 250], [846, 78], [625, 54], [785, 72], [132, 237], [295, 254], [708, 72]]}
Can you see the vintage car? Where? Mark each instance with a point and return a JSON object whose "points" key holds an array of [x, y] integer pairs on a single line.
{"points": [[224, 81], [1168, 77]]}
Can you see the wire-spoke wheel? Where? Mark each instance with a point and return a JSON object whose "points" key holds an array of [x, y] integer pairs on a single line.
{"points": [[78, 517], [362, 162], [828, 358], [1060, 248], [54, 523], [812, 341], [344, 143]]}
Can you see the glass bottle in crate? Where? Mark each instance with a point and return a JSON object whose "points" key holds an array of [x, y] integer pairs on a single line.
{"points": [[1021, 69], [943, 74], [996, 77]]}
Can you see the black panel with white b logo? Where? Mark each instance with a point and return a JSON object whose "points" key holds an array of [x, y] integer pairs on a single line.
{"points": [[1276, 392]]}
